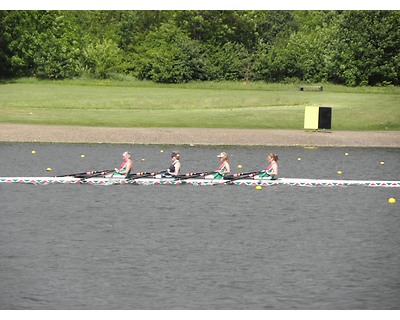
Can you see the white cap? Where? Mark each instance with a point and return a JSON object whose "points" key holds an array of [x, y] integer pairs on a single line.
{"points": [[222, 155]]}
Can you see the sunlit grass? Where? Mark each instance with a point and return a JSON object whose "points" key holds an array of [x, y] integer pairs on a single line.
{"points": [[132, 103]]}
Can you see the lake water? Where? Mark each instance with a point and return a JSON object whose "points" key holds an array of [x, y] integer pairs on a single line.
{"points": [[199, 247]]}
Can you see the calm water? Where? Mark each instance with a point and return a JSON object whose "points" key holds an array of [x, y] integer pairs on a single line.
{"points": [[188, 247]]}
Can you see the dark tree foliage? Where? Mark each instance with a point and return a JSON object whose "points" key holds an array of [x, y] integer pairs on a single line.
{"points": [[345, 47]]}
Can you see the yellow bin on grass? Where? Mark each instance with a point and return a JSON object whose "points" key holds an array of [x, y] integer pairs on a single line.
{"points": [[317, 118]]}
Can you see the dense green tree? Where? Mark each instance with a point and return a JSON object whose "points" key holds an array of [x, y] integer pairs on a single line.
{"points": [[366, 48], [167, 54], [5, 54], [102, 59], [270, 26], [345, 47], [18, 41], [216, 27], [303, 56], [134, 26], [350, 47], [228, 62], [40, 43], [58, 50]]}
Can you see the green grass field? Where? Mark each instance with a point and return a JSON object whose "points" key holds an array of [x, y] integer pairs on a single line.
{"points": [[130, 103]]}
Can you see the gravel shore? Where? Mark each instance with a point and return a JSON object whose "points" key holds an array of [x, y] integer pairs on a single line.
{"points": [[196, 136]]}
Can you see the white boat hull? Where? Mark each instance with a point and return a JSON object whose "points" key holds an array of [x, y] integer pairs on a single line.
{"points": [[199, 181]]}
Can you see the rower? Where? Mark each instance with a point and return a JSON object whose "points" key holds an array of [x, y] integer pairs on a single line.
{"points": [[224, 168], [272, 170], [175, 167], [125, 167]]}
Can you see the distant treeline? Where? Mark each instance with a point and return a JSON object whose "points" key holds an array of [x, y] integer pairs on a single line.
{"points": [[342, 47]]}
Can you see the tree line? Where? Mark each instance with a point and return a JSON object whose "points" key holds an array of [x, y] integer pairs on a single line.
{"points": [[343, 47]]}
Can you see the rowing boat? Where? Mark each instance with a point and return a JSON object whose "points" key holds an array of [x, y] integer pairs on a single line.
{"points": [[203, 181]]}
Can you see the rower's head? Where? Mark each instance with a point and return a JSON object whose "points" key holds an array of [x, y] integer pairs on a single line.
{"points": [[175, 154], [126, 155], [223, 156], [273, 156]]}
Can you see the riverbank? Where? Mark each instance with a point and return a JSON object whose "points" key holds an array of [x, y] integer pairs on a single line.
{"points": [[196, 136]]}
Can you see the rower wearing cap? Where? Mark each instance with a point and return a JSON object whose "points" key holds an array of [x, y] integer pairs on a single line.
{"points": [[125, 167], [224, 168], [175, 167]]}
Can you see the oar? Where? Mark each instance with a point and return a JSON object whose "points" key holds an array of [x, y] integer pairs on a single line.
{"points": [[84, 174], [138, 175], [92, 174], [239, 176], [99, 173], [193, 175]]}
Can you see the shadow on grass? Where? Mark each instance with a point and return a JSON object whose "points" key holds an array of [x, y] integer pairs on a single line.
{"points": [[7, 80]]}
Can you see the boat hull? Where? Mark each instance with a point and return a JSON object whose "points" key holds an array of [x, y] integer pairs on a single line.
{"points": [[199, 181]]}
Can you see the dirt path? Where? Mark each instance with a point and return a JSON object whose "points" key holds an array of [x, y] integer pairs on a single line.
{"points": [[196, 136]]}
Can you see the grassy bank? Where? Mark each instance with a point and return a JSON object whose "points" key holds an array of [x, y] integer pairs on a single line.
{"points": [[130, 103]]}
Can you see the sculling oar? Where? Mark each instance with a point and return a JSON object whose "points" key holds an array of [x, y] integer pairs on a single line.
{"points": [[86, 174], [99, 173], [238, 176], [139, 175], [193, 175]]}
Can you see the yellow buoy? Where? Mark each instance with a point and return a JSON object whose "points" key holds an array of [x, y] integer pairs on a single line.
{"points": [[258, 188], [298, 158], [346, 154], [82, 155], [48, 169], [161, 151], [143, 160], [33, 151], [392, 200], [240, 166], [382, 162], [339, 172]]}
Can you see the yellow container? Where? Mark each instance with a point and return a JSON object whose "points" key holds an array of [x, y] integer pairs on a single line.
{"points": [[317, 118]]}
